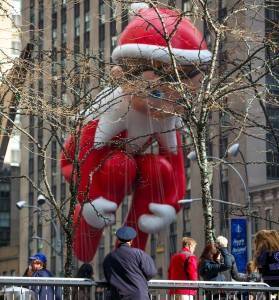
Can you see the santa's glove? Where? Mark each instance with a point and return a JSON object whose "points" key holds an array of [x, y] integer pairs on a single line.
{"points": [[99, 213], [163, 215]]}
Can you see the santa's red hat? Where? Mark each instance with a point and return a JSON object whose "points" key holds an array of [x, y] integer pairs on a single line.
{"points": [[144, 37]]}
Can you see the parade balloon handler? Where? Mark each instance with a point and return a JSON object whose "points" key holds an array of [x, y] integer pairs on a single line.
{"points": [[144, 108]]}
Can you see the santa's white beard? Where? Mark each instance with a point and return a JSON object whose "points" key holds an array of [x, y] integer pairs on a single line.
{"points": [[115, 115]]}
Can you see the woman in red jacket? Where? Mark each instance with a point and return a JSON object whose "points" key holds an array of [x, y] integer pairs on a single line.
{"points": [[183, 266]]}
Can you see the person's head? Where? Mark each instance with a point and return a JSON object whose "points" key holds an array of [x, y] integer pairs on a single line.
{"points": [[189, 243], [38, 261], [251, 267], [266, 240], [210, 252], [85, 271], [145, 68], [222, 241], [126, 234]]}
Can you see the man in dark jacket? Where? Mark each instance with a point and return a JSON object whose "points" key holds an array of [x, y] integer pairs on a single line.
{"points": [[128, 269], [38, 262]]}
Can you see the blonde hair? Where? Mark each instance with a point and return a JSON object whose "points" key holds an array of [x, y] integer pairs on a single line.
{"points": [[251, 267], [266, 240], [187, 242]]}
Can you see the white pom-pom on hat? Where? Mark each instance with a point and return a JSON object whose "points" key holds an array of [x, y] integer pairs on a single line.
{"points": [[136, 7]]}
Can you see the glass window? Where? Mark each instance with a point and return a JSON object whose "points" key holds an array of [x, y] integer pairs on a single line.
{"points": [[102, 12], [64, 33], [4, 219], [87, 22], [255, 221], [272, 155], [77, 26], [187, 6], [186, 220], [16, 47], [268, 218], [173, 238]]}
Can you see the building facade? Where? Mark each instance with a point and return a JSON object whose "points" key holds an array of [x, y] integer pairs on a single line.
{"points": [[91, 27]]}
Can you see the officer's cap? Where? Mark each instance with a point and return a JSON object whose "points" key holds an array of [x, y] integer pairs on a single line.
{"points": [[126, 233]]}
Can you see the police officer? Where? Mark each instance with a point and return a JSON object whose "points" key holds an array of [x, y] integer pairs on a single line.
{"points": [[128, 269]]}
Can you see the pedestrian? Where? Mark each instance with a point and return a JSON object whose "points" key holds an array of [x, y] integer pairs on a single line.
{"points": [[210, 267], [39, 264], [83, 292], [266, 255], [128, 269], [183, 266], [232, 273]]}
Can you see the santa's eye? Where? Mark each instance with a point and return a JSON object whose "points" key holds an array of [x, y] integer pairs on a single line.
{"points": [[157, 94]]}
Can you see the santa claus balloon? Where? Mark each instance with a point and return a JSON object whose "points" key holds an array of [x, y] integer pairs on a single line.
{"points": [[132, 145]]}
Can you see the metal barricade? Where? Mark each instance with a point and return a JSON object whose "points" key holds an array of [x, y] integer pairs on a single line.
{"points": [[26, 288], [46, 288]]}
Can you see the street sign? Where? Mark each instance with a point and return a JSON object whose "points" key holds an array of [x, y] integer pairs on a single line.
{"points": [[239, 242]]}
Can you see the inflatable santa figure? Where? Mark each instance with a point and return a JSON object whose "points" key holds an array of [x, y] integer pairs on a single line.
{"points": [[114, 147]]}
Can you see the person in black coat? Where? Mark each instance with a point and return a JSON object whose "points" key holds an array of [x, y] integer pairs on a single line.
{"points": [[128, 269], [210, 268]]}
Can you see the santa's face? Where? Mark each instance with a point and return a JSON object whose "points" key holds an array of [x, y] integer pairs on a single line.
{"points": [[157, 94]]}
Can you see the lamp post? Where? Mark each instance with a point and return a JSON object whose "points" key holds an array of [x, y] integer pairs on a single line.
{"points": [[58, 244], [233, 150], [41, 200], [55, 248]]}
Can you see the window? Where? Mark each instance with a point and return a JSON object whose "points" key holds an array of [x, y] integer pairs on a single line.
{"points": [[64, 33], [124, 18], [255, 221], [173, 238], [113, 43], [268, 218], [16, 47], [77, 26], [86, 42], [186, 220], [16, 20], [187, 6], [102, 15], [5, 188], [272, 155], [87, 22]]}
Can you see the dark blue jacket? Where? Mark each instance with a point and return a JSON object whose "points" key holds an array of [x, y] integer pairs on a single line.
{"points": [[128, 270], [268, 263], [210, 270], [45, 292]]}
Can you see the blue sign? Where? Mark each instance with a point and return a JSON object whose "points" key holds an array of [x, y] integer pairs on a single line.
{"points": [[239, 242]]}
